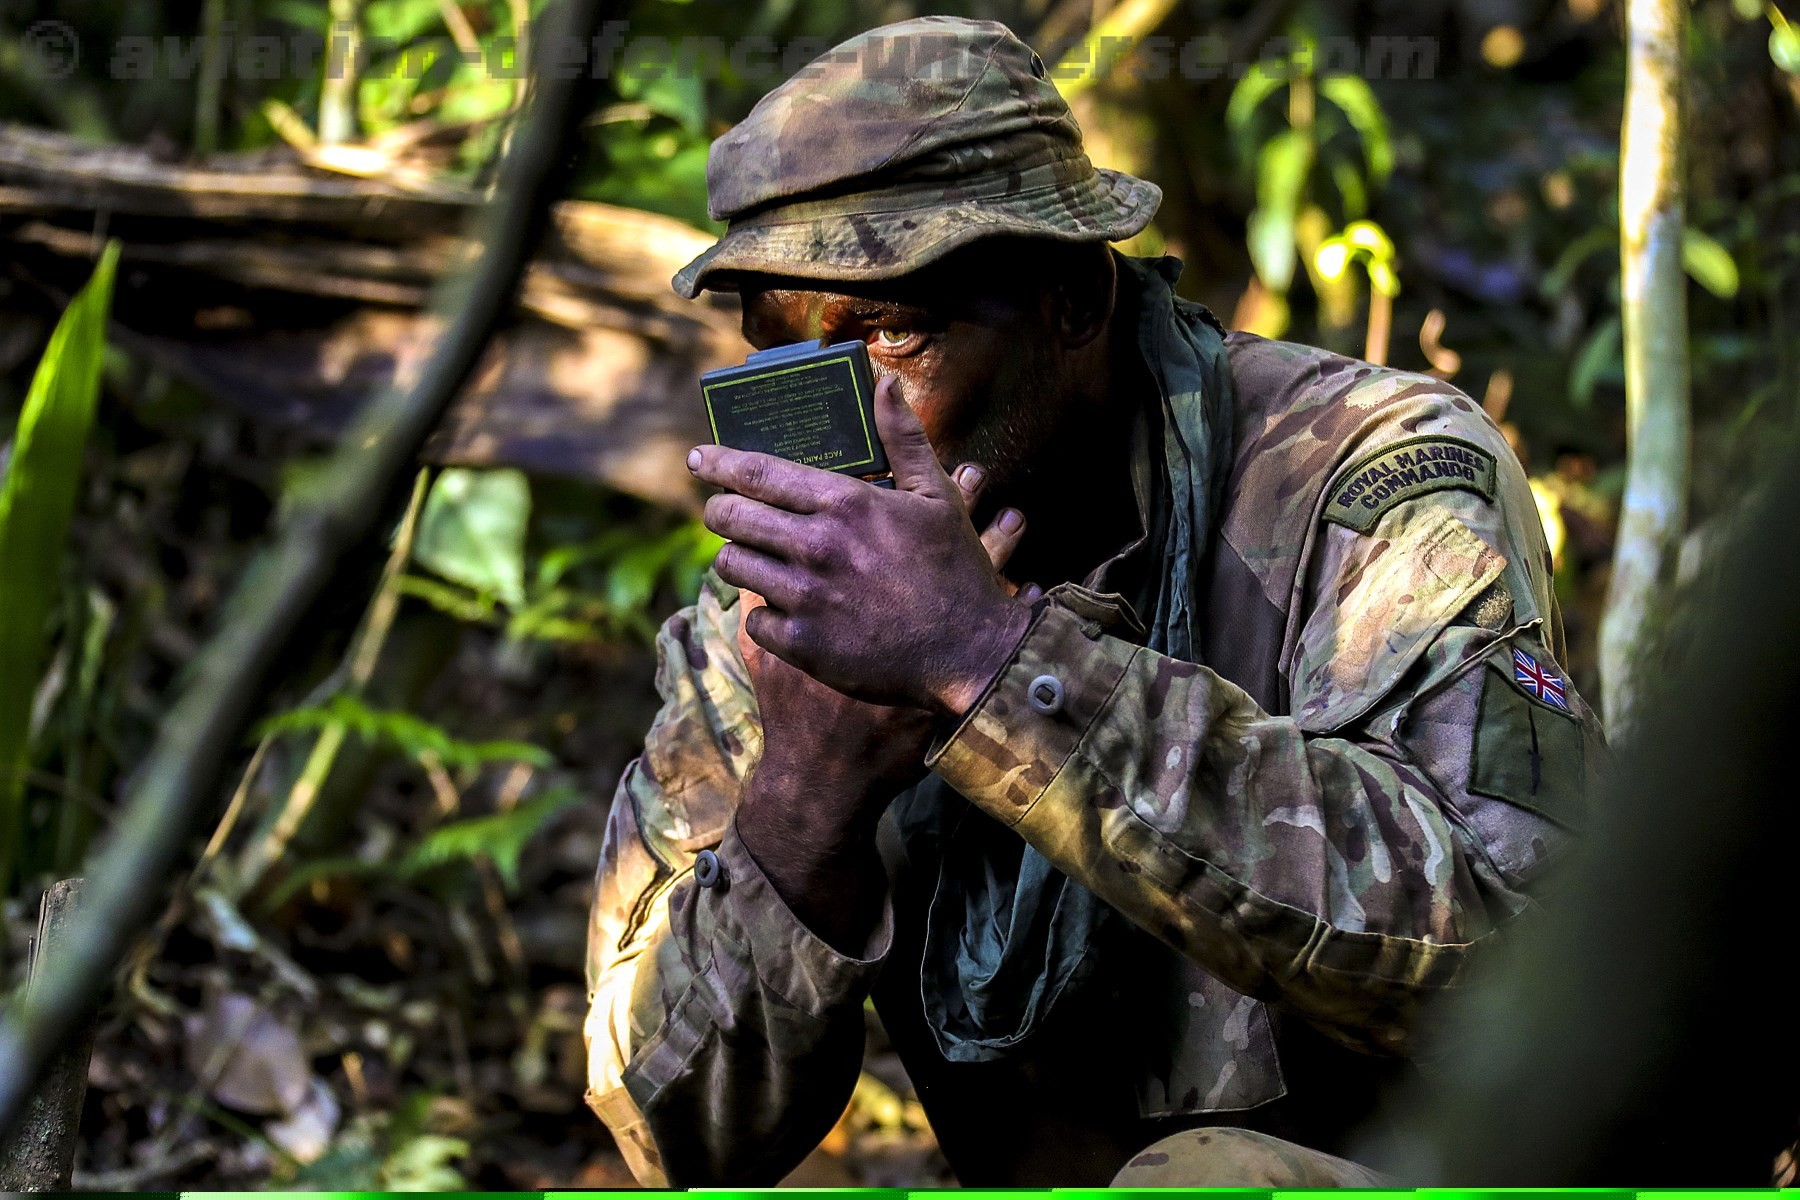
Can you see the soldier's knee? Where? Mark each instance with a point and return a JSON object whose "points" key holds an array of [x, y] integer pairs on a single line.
{"points": [[1223, 1157]]}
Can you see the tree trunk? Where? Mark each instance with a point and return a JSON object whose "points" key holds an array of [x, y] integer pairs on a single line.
{"points": [[1656, 366]]}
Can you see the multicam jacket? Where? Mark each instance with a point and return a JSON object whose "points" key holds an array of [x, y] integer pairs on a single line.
{"points": [[1309, 831]]}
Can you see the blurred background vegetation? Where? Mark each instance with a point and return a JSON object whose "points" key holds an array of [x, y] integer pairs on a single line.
{"points": [[372, 976]]}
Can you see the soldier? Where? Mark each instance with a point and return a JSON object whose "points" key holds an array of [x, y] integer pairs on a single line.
{"points": [[1148, 864]]}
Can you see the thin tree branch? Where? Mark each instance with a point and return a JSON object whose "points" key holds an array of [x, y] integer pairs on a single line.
{"points": [[228, 679], [360, 662]]}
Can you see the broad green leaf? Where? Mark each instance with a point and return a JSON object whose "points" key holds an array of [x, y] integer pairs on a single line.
{"points": [[631, 580], [1352, 94], [1271, 240], [476, 95], [1709, 263], [473, 530], [703, 547], [37, 499], [1259, 83], [422, 1164], [1350, 187], [1601, 357], [677, 91], [1784, 48], [674, 185], [400, 20], [560, 560], [1281, 170], [299, 14], [1280, 176]]}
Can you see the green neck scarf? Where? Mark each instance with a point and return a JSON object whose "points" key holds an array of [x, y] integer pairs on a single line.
{"points": [[1007, 934]]}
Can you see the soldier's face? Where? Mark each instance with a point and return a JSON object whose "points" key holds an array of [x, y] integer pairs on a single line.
{"points": [[981, 366]]}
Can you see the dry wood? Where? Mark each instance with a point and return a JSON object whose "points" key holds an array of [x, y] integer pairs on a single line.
{"points": [[40, 1153]]}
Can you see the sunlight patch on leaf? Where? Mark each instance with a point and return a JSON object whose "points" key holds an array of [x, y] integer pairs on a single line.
{"points": [[473, 530], [1709, 263], [37, 499]]}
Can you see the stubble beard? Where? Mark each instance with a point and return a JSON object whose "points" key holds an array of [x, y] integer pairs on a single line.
{"points": [[1014, 439]]}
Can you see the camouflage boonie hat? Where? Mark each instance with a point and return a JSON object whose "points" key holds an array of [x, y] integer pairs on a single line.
{"points": [[899, 146]]}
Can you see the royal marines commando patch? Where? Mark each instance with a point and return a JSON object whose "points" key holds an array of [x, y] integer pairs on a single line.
{"points": [[1398, 472]]}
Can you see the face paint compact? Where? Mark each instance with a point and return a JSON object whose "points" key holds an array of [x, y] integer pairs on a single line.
{"points": [[810, 403]]}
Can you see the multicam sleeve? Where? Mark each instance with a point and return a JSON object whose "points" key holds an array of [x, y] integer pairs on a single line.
{"points": [[723, 1036], [1339, 860]]}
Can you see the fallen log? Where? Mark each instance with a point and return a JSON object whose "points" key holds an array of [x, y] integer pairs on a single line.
{"points": [[293, 294]]}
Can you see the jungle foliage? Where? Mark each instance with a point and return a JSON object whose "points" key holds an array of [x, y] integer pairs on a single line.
{"points": [[385, 926]]}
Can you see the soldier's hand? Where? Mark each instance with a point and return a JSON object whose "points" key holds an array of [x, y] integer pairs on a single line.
{"points": [[860, 752], [823, 741], [830, 765], [889, 596]]}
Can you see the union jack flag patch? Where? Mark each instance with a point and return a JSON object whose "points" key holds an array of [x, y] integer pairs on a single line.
{"points": [[1541, 682]]}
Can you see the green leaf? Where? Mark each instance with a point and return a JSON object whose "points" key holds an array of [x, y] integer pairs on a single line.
{"points": [[1353, 94], [302, 877], [1350, 187], [500, 837], [37, 499], [1258, 84], [301, 15], [673, 93], [400, 20], [473, 530], [1784, 48], [1601, 357], [559, 615], [474, 607], [1280, 176], [1709, 263], [703, 548], [414, 735], [560, 560], [632, 579], [422, 1164], [1557, 280]]}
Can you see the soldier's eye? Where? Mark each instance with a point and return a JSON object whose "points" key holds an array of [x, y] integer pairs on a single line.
{"points": [[893, 338]]}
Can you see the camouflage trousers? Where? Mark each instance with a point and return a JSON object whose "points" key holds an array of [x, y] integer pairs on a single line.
{"points": [[1222, 1157]]}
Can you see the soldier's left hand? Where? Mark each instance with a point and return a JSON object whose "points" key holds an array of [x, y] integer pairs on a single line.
{"points": [[887, 596]]}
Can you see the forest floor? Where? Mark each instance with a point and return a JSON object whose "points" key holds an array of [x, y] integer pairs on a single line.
{"points": [[345, 1027], [373, 1036]]}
